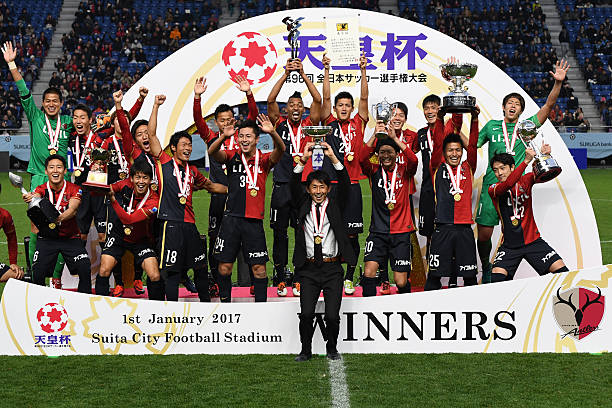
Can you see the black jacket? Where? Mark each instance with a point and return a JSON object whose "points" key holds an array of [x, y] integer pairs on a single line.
{"points": [[302, 202]]}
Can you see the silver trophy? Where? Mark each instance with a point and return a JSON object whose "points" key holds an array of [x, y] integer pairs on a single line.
{"points": [[383, 112], [318, 135], [294, 34], [545, 168], [40, 210], [458, 73]]}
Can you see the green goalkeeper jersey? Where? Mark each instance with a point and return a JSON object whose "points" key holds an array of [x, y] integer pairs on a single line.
{"points": [[493, 134], [39, 136]]}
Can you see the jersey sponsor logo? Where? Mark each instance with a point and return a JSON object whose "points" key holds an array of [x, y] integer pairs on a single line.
{"points": [[145, 251], [402, 262], [201, 257], [549, 256], [355, 224], [578, 311], [258, 254], [468, 267], [398, 184], [238, 168]]}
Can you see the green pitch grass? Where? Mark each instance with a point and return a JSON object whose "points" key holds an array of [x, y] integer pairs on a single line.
{"points": [[450, 380]]}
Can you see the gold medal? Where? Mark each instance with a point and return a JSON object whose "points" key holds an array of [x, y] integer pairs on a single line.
{"points": [[350, 157], [77, 173], [253, 193], [127, 230], [318, 240], [122, 175], [183, 200], [52, 151], [390, 206], [296, 159], [154, 187], [457, 197], [52, 225], [515, 222]]}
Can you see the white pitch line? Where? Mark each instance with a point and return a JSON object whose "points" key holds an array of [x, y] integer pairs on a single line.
{"points": [[339, 387], [5, 243]]}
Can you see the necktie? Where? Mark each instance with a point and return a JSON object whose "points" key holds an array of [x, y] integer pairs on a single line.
{"points": [[318, 248]]}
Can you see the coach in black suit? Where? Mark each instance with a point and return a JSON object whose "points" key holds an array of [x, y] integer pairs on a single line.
{"points": [[321, 242]]}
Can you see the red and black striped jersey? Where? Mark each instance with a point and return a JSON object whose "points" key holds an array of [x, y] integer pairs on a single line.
{"points": [[131, 150], [170, 206], [68, 228], [80, 153], [242, 199], [409, 138], [390, 214], [512, 200], [140, 220], [6, 223], [118, 162], [454, 207], [284, 168]]}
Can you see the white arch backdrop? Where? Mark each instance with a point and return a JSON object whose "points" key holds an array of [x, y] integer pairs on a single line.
{"points": [[404, 66]]}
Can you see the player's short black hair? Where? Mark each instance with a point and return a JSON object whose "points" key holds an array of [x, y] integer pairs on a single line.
{"points": [[140, 166], [318, 175], [55, 157], [344, 95], [137, 124], [517, 96], [83, 108], [224, 107], [452, 138], [174, 139], [503, 158], [53, 90], [249, 124], [128, 115], [387, 142], [402, 106], [432, 99], [296, 95]]}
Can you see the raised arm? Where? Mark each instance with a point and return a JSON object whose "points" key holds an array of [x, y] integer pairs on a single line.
{"points": [[279, 146], [142, 94], [244, 86], [273, 109], [412, 161], [203, 130], [10, 53], [214, 149], [365, 154], [126, 134], [561, 69], [27, 101], [154, 143], [315, 106], [499, 189], [437, 138], [326, 103], [296, 187], [472, 149], [363, 97]]}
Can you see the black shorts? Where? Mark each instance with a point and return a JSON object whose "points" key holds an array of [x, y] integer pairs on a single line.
{"points": [[4, 268], [115, 246], [215, 213], [239, 231], [353, 212], [397, 248], [453, 247], [538, 254], [180, 247], [47, 249], [92, 208], [280, 206], [426, 213]]}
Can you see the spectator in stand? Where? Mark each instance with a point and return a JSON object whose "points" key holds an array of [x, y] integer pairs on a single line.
{"points": [[556, 116], [564, 40]]}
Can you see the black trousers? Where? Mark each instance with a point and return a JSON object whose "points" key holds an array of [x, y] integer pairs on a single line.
{"points": [[328, 278], [74, 253]]}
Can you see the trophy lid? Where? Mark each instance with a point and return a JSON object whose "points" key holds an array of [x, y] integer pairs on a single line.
{"points": [[317, 130], [527, 130], [458, 69]]}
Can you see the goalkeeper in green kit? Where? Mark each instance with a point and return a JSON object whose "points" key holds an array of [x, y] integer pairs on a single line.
{"points": [[49, 132], [502, 138]]}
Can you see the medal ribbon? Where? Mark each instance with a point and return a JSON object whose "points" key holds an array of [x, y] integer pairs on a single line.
{"points": [[318, 225], [77, 150], [295, 139], [509, 144], [53, 135], [251, 177], [346, 140], [389, 191], [455, 179], [122, 161], [514, 200], [152, 167], [58, 204], [129, 209], [182, 186], [429, 139]]}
